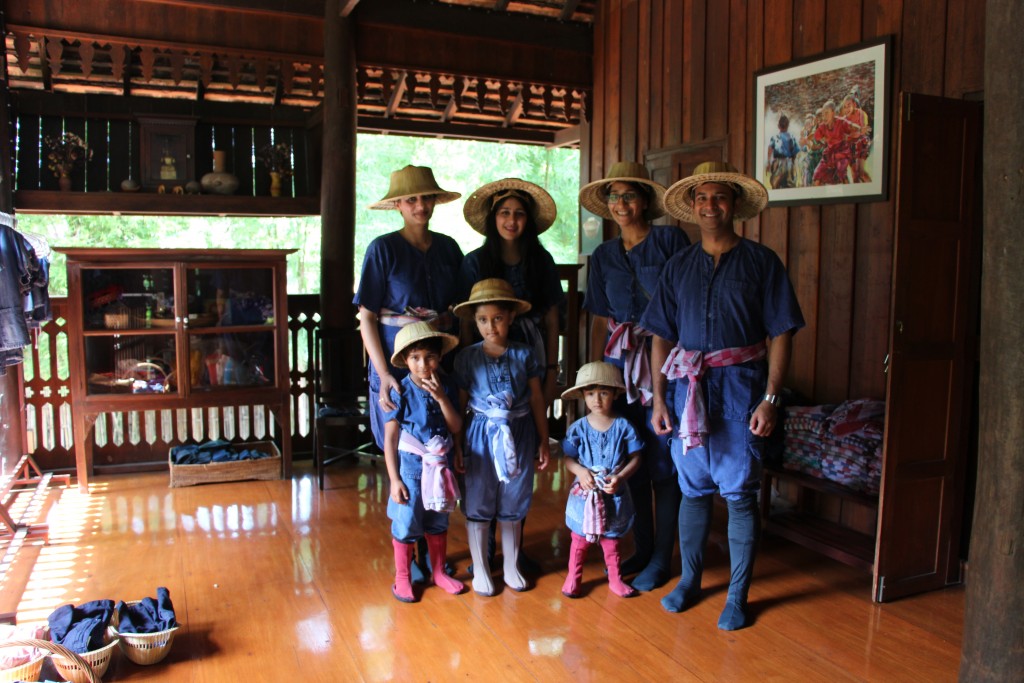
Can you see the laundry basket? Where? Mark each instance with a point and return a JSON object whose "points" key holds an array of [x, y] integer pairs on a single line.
{"points": [[85, 671], [145, 648], [29, 671], [88, 666]]}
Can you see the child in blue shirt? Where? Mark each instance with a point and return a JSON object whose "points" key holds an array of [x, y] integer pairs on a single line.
{"points": [[603, 450], [500, 383], [418, 444]]}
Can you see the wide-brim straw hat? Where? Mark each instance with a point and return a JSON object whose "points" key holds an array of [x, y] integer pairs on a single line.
{"points": [[594, 195], [599, 374], [537, 200], [413, 181], [414, 332], [489, 291], [752, 199]]}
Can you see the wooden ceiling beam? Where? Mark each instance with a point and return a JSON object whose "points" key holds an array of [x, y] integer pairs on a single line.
{"points": [[397, 93], [372, 124]]}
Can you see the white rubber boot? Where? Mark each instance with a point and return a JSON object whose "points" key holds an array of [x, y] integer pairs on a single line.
{"points": [[511, 532], [478, 532]]}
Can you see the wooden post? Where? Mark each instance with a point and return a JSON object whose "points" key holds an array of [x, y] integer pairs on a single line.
{"points": [[11, 413], [993, 631], [338, 179]]}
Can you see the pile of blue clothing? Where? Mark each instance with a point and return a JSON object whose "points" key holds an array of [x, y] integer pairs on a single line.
{"points": [[81, 629], [213, 451], [149, 615]]}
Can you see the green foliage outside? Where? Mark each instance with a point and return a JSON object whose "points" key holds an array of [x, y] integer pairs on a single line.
{"points": [[458, 165]]}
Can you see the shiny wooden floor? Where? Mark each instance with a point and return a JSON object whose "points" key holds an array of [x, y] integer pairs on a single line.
{"points": [[276, 581]]}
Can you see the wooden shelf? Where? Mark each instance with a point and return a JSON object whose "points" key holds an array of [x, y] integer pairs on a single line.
{"points": [[823, 485], [828, 538], [151, 203]]}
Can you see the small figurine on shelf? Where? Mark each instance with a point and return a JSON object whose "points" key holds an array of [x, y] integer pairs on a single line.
{"points": [[278, 160]]}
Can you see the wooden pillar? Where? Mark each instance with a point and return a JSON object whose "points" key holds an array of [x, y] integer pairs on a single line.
{"points": [[11, 418], [993, 646], [338, 177]]}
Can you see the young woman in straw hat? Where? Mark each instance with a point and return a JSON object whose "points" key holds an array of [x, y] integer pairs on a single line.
{"points": [[499, 383], [603, 450], [418, 450], [408, 275], [622, 274], [511, 214]]}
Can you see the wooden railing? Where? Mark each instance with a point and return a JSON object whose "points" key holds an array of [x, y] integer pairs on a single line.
{"points": [[137, 439]]}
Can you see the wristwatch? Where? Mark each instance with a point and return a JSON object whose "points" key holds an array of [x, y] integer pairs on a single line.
{"points": [[774, 399]]}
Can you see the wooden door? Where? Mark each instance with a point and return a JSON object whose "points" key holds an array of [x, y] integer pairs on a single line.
{"points": [[932, 341]]}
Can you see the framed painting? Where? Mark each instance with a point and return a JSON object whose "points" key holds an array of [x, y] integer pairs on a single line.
{"points": [[166, 152], [821, 127]]}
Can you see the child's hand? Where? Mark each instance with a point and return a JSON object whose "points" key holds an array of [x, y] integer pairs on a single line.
{"points": [[586, 479], [459, 464], [399, 493], [611, 484], [433, 387], [544, 456]]}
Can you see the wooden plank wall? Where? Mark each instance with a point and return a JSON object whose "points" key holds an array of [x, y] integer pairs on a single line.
{"points": [[672, 72]]}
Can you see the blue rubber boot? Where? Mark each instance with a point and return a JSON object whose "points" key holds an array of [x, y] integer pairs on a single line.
{"points": [[744, 528], [667, 497], [694, 526]]}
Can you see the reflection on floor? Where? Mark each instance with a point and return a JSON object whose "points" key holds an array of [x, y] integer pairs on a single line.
{"points": [[278, 581]]}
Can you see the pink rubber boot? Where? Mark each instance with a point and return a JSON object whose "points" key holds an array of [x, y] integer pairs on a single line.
{"points": [[402, 588], [437, 545], [577, 554], [610, 546]]}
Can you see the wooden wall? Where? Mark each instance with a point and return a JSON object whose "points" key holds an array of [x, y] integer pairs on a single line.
{"points": [[675, 72]]}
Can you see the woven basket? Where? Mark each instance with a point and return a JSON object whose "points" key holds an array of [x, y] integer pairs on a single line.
{"points": [[88, 666], [263, 469], [86, 674], [145, 648], [26, 672]]}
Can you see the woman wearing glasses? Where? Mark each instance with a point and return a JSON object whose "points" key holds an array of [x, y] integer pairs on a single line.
{"points": [[622, 275]]}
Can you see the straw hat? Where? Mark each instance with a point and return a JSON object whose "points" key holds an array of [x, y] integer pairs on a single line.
{"points": [[752, 199], [537, 200], [599, 374], [413, 181], [491, 290], [414, 332], [594, 196]]}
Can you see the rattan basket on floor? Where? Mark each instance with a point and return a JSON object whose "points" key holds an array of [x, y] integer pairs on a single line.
{"points": [[145, 648], [28, 671], [95, 662], [87, 674]]}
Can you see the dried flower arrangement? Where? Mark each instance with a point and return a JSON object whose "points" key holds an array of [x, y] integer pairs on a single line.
{"points": [[64, 152], [276, 157]]}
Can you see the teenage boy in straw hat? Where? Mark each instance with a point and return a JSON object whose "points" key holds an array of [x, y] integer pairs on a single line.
{"points": [[408, 275], [603, 450], [418, 445], [724, 314], [621, 276]]}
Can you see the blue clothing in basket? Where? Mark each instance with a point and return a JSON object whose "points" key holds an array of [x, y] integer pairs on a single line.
{"points": [[149, 615]]}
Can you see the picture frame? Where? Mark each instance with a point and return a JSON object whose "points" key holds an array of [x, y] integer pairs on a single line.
{"points": [[837, 112], [166, 152]]}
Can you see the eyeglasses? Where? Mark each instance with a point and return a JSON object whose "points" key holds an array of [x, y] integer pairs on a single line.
{"points": [[628, 197]]}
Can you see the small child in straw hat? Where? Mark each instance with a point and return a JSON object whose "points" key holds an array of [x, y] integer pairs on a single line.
{"points": [[499, 383], [418, 450], [603, 450]]}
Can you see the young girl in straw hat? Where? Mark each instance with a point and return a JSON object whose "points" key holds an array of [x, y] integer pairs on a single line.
{"points": [[621, 275], [408, 275], [499, 383], [511, 214], [418, 448], [603, 451]]}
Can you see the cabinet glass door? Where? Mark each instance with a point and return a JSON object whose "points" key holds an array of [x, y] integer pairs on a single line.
{"points": [[127, 298], [130, 364], [231, 340]]}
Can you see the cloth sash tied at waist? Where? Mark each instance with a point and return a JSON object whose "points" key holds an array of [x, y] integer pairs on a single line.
{"points": [[414, 314], [594, 518], [692, 364], [499, 411], [437, 483], [628, 341]]}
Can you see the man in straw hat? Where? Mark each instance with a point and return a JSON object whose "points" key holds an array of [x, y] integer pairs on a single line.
{"points": [[408, 276], [724, 314], [621, 275]]}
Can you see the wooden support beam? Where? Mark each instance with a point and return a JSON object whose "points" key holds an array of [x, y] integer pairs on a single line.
{"points": [[567, 137], [569, 9], [516, 110], [347, 6], [397, 93], [370, 124]]}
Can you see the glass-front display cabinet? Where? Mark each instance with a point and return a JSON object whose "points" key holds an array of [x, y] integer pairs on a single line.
{"points": [[151, 329]]}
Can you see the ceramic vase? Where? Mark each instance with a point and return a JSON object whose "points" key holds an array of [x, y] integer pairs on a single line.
{"points": [[219, 181], [64, 182], [275, 184]]}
